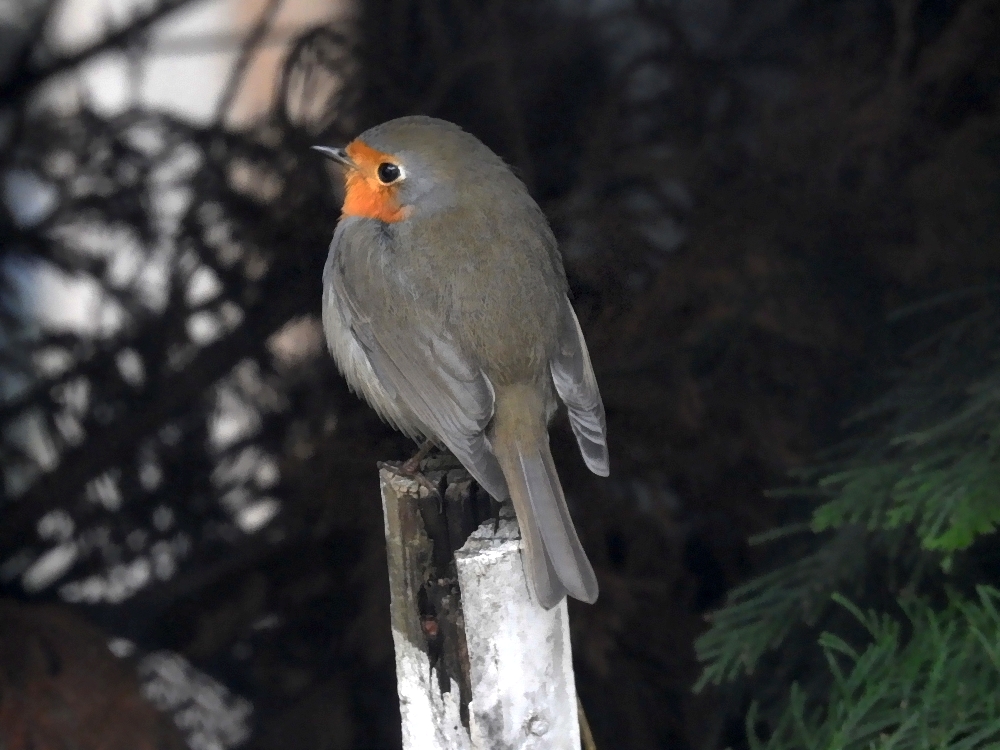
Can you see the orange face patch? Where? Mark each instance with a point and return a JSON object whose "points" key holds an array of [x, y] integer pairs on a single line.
{"points": [[366, 195]]}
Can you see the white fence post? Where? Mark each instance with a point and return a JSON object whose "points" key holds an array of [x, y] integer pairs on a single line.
{"points": [[479, 665]]}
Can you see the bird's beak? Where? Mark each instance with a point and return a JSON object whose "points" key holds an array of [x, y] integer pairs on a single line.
{"points": [[338, 155]]}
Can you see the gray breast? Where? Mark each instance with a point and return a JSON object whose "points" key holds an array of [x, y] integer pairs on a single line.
{"points": [[349, 354]]}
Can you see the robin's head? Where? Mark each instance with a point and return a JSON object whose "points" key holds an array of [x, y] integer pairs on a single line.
{"points": [[415, 164]]}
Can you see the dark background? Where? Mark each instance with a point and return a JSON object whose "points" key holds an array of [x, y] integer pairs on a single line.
{"points": [[743, 192]]}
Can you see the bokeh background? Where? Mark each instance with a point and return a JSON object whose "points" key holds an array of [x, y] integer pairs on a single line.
{"points": [[743, 190]]}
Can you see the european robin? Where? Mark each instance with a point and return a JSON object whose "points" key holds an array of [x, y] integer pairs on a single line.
{"points": [[445, 305]]}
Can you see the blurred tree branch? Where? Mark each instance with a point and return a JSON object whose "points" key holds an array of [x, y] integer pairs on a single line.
{"points": [[27, 77]]}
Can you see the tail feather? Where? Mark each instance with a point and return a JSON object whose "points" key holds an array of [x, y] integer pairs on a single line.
{"points": [[554, 558]]}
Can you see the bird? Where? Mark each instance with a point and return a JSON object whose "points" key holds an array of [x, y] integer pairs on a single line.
{"points": [[445, 305]]}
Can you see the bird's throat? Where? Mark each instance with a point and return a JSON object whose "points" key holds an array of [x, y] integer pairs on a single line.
{"points": [[366, 196]]}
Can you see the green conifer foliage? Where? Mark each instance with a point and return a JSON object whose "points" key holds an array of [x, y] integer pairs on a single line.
{"points": [[897, 508], [938, 688]]}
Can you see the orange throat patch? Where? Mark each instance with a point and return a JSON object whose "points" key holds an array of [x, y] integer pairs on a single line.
{"points": [[366, 195]]}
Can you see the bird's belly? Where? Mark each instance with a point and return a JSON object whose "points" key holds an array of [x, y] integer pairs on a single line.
{"points": [[357, 370]]}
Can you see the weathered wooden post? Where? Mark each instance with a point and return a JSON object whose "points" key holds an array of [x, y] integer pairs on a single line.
{"points": [[479, 664]]}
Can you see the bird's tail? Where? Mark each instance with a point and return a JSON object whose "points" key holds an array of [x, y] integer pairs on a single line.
{"points": [[553, 556]]}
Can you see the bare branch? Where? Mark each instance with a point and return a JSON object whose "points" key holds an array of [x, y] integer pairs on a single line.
{"points": [[14, 90], [249, 48]]}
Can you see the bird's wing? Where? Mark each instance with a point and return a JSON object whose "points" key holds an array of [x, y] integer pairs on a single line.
{"points": [[424, 368], [576, 385]]}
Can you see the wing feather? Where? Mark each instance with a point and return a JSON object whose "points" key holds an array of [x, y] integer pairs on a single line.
{"points": [[424, 368], [573, 376]]}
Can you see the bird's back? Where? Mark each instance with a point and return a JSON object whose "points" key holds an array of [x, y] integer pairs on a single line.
{"points": [[486, 258]]}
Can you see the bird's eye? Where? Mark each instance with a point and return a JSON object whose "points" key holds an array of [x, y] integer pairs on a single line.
{"points": [[388, 172]]}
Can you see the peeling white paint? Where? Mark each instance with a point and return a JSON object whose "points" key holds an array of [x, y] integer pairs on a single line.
{"points": [[430, 719], [521, 668], [523, 691]]}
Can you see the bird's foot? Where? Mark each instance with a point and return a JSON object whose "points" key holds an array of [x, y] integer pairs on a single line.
{"points": [[411, 468]]}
